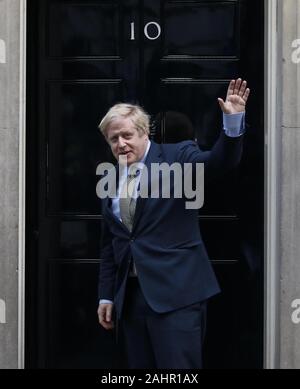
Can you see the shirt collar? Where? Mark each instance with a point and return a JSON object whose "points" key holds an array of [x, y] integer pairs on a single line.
{"points": [[146, 152]]}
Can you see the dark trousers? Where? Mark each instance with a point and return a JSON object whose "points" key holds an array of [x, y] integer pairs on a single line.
{"points": [[170, 340]]}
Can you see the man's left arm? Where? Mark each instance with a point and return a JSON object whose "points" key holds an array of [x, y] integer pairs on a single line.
{"points": [[226, 152]]}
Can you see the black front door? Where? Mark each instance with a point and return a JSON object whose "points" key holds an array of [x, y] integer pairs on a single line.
{"points": [[174, 58]]}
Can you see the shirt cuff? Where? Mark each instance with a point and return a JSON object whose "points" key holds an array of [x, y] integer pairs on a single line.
{"points": [[104, 301], [234, 124]]}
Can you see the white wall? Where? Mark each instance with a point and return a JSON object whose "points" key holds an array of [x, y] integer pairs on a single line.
{"points": [[289, 24], [9, 180]]}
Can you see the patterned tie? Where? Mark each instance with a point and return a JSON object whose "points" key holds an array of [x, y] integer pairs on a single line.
{"points": [[127, 208], [127, 201]]}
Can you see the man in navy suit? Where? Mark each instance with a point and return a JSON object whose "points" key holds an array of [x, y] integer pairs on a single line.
{"points": [[155, 274]]}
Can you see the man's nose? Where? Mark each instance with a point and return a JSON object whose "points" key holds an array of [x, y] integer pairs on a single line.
{"points": [[121, 142]]}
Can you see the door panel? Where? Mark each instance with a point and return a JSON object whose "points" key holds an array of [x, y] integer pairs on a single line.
{"points": [[75, 339], [175, 58], [73, 111], [84, 30], [188, 29]]}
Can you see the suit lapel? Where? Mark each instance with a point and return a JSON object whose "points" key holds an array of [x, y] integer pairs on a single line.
{"points": [[154, 156]]}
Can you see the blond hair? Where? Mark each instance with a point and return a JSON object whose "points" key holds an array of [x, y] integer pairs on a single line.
{"points": [[137, 114]]}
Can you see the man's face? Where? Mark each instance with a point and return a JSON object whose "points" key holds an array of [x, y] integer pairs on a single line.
{"points": [[124, 139]]}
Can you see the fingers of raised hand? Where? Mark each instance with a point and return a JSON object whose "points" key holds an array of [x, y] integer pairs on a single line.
{"points": [[242, 90], [237, 86], [231, 88], [246, 94]]}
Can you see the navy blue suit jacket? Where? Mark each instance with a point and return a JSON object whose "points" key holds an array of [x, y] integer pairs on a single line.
{"points": [[171, 261]]}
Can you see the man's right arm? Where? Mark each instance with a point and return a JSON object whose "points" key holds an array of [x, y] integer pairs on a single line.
{"points": [[107, 274]]}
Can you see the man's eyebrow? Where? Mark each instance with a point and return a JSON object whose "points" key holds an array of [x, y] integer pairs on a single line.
{"points": [[120, 132], [112, 137]]}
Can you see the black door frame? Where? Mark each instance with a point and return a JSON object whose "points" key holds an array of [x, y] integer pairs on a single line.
{"points": [[271, 193]]}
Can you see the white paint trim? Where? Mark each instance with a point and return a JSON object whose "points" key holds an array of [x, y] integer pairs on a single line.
{"points": [[2, 51], [2, 312], [272, 189], [22, 175]]}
